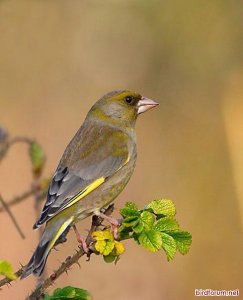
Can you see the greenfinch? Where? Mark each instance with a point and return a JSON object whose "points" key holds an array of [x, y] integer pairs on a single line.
{"points": [[94, 169]]}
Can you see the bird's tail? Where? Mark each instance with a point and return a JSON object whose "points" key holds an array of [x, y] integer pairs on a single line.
{"points": [[53, 230]]}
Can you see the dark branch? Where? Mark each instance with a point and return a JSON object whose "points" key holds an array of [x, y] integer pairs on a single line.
{"points": [[67, 264], [6, 144], [13, 219], [71, 260], [6, 280], [24, 196]]}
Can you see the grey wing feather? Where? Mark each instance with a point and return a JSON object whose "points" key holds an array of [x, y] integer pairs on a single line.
{"points": [[68, 182], [60, 191]]}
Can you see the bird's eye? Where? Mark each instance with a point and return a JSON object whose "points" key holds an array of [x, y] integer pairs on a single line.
{"points": [[129, 99]]}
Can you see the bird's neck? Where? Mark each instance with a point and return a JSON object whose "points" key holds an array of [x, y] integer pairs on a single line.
{"points": [[99, 116]]}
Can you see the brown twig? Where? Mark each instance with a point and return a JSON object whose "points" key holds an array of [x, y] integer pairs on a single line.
{"points": [[24, 196], [21, 139], [5, 144], [67, 264], [13, 219], [7, 280], [70, 261], [10, 142]]}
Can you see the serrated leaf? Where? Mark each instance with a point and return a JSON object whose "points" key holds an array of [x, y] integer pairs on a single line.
{"points": [[130, 209], [6, 270], [151, 240], [130, 221], [169, 245], [101, 235], [166, 224], [163, 207], [37, 157], [119, 248], [135, 237], [104, 247], [69, 292], [147, 219], [124, 232], [138, 227], [183, 240]]}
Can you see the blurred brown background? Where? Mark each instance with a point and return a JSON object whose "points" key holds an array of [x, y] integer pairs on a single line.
{"points": [[58, 57]]}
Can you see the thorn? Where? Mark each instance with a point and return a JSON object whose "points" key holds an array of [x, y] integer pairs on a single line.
{"points": [[53, 276], [88, 256], [95, 220], [78, 264]]}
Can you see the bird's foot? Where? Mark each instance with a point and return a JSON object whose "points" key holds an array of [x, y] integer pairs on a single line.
{"points": [[81, 239], [114, 223]]}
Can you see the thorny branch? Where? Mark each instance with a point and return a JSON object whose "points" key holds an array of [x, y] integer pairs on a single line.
{"points": [[71, 260], [67, 264]]}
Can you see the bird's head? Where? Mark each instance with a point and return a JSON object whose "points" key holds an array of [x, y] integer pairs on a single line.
{"points": [[121, 107]]}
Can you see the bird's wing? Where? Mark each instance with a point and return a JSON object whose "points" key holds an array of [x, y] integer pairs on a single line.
{"points": [[78, 174]]}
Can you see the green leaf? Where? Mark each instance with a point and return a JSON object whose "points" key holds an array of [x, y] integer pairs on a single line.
{"points": [[169, 245], [147, 219], [37, 157], [151, 240], [110, 258], [69, 292], [183, 240], [124, 232], [130, 221], [6, 270], [138, 227], [114, 255], [129, 210], [165, 224], [163, 207]]}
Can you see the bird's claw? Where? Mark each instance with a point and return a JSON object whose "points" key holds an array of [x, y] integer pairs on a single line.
{"points": [[113, 222], [81, 239]]}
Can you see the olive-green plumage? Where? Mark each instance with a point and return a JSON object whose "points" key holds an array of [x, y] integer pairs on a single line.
{"points": [[94, 169]]}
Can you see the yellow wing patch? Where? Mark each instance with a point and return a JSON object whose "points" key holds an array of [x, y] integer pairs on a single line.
{"points": [[59, 232], [86, 191], [127, 160], [78, 197], [91, 187]]}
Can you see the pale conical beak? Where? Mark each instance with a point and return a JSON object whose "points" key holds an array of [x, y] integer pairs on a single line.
{"points": [[145, 104]]}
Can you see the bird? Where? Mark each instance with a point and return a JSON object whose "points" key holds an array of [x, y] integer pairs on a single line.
{"points": [[93, 170]]}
